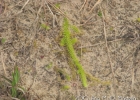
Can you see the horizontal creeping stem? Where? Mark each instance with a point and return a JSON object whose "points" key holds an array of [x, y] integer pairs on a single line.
{"points": [[69, 46]]}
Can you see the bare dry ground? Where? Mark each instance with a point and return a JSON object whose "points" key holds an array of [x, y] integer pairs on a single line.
{"points": [[110, 36]]}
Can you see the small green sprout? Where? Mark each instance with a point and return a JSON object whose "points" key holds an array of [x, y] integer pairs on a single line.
{"points": [[63, 74], [100, 13], [57, 5], [3, 40], [16, 91], [138, 19], [48, 66], [68, 77], [45, 26], [15, 80], [111, 28], [65, 87], [75, 29]]}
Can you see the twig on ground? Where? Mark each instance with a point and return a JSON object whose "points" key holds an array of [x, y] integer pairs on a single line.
{"points": [[34, 75], [3, 19], [51, 13], [2, 3], [133, 68], [83, 5], [108, 54], [97, 3], [14, 98], [39, 10], [100, 43], [133, 77], [2, 60], [23, 7], [58, 10]]}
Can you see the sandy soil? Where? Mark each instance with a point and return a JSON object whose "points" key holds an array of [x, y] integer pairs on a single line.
{"points": [[110, 36]]}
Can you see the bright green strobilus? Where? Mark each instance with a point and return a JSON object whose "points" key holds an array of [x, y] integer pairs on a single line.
{"points": [[68, 42]]}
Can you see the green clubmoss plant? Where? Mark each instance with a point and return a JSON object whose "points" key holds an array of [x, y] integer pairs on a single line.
{"points": [[68, 42]]}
